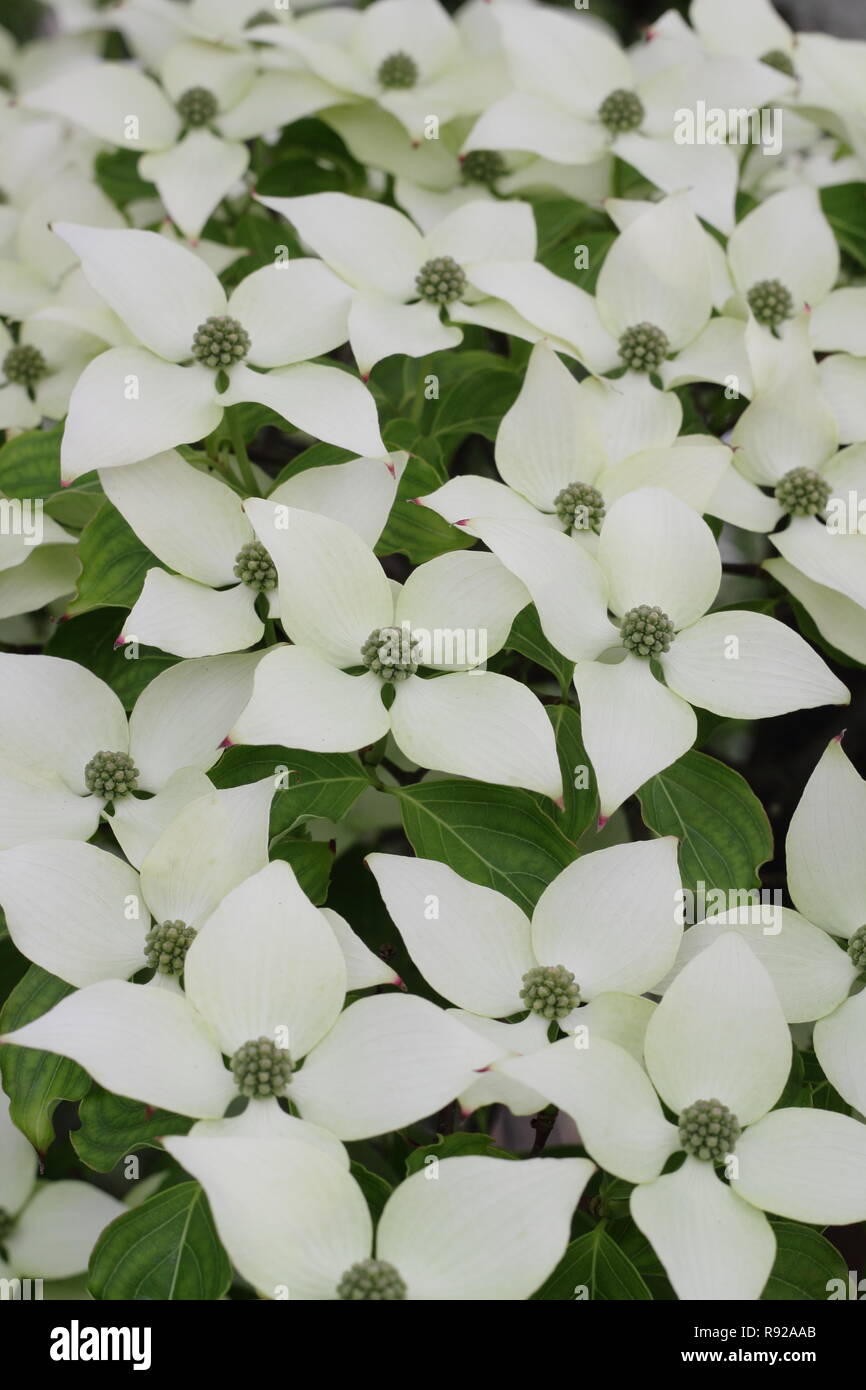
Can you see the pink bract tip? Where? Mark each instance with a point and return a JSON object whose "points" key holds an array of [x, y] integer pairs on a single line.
{"points": [[837, 738], [226, 743], [119, 642], [399, 984], [390, 467], [602, 822], [559, 802], [66, 482]]}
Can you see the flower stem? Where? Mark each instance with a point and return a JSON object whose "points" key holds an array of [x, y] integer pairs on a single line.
{"points": [[240, 451]]}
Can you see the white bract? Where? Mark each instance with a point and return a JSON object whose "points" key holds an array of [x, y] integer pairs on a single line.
{"points": [[603, 932], [215, 842], [264, 984], [190, 129], [567, 450], [657, 571], [56, 717], [718, 1041], [401, 280], [207, 606], [579, 96], [297, 1224], [341, 611], [38, 560], [132, 403], [52, 1226], [408, 56]]}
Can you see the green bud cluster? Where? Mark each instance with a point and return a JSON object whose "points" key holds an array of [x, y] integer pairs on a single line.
{"points": [[166, 945], [646, 631], [24, 365], [220, 342], [771, 302], [111, 775], [482, 166], [397, 72], [708, 1130], [374, 1279], [260, 1068], [857, 948], [197, 106], [643, 347], [550, 990], [255, 568], [387, 654], [621, 111], [580, 507], [803, 492], [440, 280]]}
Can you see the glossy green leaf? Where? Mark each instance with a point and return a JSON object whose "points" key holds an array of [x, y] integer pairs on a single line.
{"points": [[114, 563], [595, 1268], [37, 1081], [165, 1249], [722, 827], [496, 836], [805, 1266], [111, 1127]]}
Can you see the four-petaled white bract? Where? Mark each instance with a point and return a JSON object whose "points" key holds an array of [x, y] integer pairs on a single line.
{"points": [[268, 278]]}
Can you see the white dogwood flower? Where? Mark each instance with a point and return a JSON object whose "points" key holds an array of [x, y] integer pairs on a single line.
{"points": [[191, 127], [38, 559], [718, 1052], [208, 605], [658, 571], [577, 96], [408, 56], [786, 439], [47, 1229], [653, 297], [68, 750], [602, 934], [567, 450], [401, 279], [341, 612], [297, 1225], [36, 261], [264, 984], [211, 846], [131, 403]]}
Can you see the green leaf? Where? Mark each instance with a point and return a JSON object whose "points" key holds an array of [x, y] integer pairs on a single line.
{"points": [[804, 1265], [30, 464], [90, 639], [116, 172], [527, 638], [296, 177], [114, 563], [454, 1146], [113, 1126], [165, 1249], [317, 456], [497, 836], [312, 862], [36, 1081], [476, 404], [581, 802], [595, 1263], [318, 784], [375, 1189], [844, 207], [416, 531], [722, 827]]}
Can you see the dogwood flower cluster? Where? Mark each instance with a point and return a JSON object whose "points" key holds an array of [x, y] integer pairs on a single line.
{"points": [[434, 449]]}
